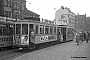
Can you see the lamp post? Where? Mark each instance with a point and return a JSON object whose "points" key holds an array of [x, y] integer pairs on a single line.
{"points": [[85, 22]]}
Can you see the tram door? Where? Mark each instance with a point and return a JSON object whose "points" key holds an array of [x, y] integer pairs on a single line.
{"points": [[31, 26], [58, 34], [63, 30]]}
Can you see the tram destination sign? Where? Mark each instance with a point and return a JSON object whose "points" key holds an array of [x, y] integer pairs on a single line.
{"points": [[6, 18]]}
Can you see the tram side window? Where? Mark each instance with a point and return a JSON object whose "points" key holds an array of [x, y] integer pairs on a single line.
{"points": [[54, 30], [36, 31], [46, 29], [41, 29], [51, 29], [18, 28], [10, 29], [5, 29], [70, 31], [24, 29], [0, 30], [14, 29]]}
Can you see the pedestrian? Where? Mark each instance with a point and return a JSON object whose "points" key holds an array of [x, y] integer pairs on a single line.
{"points": [[77, 38], [87, 37], [81, 37], [84, 35], [32, 38], [74, 36], [89, 34]]}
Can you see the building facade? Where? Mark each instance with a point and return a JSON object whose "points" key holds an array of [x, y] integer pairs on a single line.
{"points": [[81, 22], [15, 9], [6, 8], [18, 9], [64, 16], [88, 24], [29, 13]]}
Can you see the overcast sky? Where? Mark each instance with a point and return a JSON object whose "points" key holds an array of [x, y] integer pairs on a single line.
{"points": [[46, 8]]}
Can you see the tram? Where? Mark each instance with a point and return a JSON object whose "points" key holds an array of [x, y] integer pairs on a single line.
{"points": [[45, 31], [70, 34], [6, 33]]}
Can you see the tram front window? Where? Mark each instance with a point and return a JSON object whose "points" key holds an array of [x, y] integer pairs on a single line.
{"points": [[24, 29], [18, 28]]}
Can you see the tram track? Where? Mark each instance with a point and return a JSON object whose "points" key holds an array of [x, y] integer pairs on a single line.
{"points": [[11, 57], [11, 54], [6, 52]]}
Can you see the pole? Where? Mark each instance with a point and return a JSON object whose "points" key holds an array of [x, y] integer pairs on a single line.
{"points": [[85, 22]]}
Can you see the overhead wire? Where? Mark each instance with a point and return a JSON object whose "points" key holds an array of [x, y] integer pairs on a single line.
{"points": [[44, 4]]}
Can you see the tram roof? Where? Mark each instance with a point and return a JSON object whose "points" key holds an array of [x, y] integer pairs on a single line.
{"points": [[25, 20], [28, 21], [32, 18], [5, 22]]}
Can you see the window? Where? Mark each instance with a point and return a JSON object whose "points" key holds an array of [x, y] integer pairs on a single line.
{"points": [[9, 3], [0, 30], [18, 6], [14, 29], [5, 2], [5, 29], [16, 15], [23, 6], [69, 31], [54, 30], [18, 28], [36, 31], [51, 29], [24, 29], [15, 5], [10, 29], [41, 29], [46, 29], [7, 13]]}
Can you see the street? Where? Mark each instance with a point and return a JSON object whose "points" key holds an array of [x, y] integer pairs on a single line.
{"points": [[64, 51]]}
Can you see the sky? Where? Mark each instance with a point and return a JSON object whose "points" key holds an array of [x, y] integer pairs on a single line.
{"points": [[47, 8]]}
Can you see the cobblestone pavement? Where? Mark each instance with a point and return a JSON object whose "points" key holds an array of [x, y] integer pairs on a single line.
{"points": [[65, 51]]}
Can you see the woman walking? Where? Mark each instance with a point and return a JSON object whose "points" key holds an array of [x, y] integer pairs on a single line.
{"points": [[81, 37], [87, 37], [77, 38]]}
